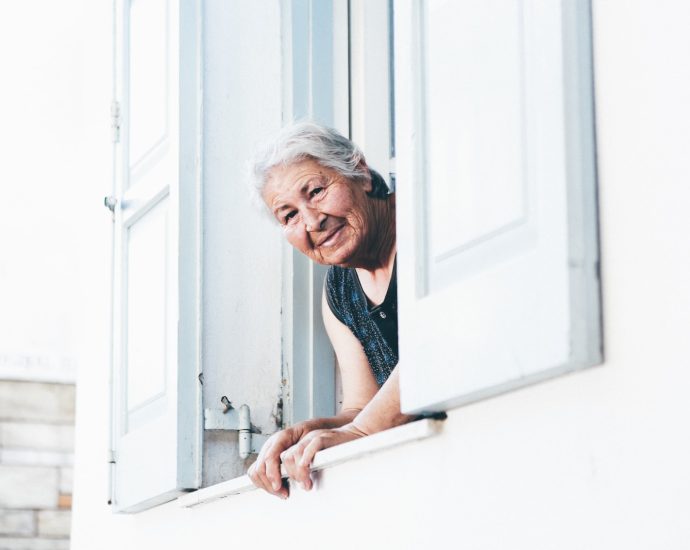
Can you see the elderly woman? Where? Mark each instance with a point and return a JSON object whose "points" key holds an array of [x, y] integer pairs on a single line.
{"points": [[337, 211]]}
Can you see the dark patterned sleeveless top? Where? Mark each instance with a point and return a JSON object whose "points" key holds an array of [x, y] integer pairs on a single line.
{"points": [[375, 327]]}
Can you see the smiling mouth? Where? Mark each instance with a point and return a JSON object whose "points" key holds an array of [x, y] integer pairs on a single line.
{"points": [[330, 238]]}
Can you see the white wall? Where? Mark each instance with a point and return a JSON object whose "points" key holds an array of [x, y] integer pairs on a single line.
{"points": [[596, 459], [42, 140]]}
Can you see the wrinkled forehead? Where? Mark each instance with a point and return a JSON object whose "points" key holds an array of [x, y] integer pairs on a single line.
{"points": [[285, 181]]}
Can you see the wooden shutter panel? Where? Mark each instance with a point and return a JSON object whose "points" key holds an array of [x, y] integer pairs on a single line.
{"points": [[498, 281], [156, 403]]}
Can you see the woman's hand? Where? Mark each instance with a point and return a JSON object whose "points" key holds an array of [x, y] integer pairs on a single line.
{"points": [[265, 472], [298, 458], [381, 413]]}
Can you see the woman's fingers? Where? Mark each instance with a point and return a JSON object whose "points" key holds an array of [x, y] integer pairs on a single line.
{"points": [[273, 473], [257, 473], [265, 472], [257, 476], [290, 459], [296, 459], [304, 464], [270, 486], [305, 451]]}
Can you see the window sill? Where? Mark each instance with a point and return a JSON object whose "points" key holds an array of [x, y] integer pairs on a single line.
{"points": [[414, 431]]}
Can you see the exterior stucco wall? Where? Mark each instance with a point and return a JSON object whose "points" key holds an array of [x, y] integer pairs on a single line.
{"points": [[596, 459]]}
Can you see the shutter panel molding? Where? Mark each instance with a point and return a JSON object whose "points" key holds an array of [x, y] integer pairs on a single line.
{"points": [[497, 220], [156, 423]]}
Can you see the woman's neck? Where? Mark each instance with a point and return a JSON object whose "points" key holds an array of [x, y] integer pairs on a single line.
{"points": [[376, 264]]}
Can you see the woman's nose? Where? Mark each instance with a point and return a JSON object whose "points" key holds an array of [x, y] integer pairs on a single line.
{"points": [[314, 220]]}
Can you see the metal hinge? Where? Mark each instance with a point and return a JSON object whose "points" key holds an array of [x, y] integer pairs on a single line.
{"points": [[115, 121], [237, 420], [391, 174], [111, 469], [110, 203]]}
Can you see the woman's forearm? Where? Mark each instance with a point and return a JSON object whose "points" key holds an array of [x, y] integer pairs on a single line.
{"points": [[383, 411], [328, 423]]}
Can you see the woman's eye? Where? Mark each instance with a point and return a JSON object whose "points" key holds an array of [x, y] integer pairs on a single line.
{"points": [[290, 215], [315, 191]]}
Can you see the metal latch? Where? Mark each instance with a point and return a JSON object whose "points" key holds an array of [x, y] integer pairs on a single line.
{"points": [[110, 203], [115, 121], [236, 420]]}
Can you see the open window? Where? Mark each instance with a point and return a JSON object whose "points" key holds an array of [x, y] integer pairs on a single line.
{"points": [[340, 73], [479, 114]]}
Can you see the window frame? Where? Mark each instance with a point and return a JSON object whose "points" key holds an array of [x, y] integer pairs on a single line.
{"points": [[316, 85], [328, 77]]}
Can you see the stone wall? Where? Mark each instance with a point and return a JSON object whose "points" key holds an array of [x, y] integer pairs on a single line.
{"points": [[36, 456]]}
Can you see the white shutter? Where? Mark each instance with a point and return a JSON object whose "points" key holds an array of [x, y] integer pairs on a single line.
{"points": [[498, 281], [370, 93], [155, 348]]}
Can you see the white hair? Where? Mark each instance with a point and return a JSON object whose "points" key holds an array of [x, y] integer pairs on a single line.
{"points": [[307, 140]]}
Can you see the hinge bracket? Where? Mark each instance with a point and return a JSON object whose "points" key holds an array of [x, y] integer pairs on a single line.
{"points": [[237, 420], [115, 121]]}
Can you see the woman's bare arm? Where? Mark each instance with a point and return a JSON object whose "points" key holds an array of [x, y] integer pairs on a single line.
{"points": [[359, 387], [377, 410], [381, 413]]}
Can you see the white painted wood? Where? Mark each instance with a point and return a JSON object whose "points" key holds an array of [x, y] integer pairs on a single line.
{"points": [[474, 113], [149, 99], [414, 431], [242, 247], [493, 253], [146, 300], [156, 254], [341, 66], [370, 82]]}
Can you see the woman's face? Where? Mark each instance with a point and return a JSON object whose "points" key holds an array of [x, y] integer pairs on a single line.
{"points": [[323, 214]]}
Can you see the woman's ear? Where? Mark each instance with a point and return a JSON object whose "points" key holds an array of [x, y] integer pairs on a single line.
{"points": [[367, 184]]}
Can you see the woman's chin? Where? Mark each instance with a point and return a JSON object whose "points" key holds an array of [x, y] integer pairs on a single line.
{"points": [[338, 257]]}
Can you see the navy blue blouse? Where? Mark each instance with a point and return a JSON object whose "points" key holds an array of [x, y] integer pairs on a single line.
{"points": [[375, 327]]}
